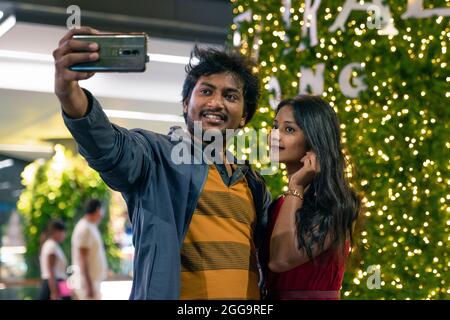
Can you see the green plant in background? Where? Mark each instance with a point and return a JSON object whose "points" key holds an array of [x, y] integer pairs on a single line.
{"points": [[396, 128], [58, 189]]}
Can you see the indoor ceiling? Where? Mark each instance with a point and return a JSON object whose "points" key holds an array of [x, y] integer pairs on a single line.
{"points": [[205, 21], [30, 119], [30, 113]]}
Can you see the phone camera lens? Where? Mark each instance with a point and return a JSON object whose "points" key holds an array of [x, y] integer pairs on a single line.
{"points": [[125, 52]]}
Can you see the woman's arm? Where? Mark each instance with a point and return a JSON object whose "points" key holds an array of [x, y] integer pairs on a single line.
{"points": [[52, 282], [284, 250]]}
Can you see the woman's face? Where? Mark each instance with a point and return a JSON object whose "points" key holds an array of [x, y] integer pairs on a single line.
{"points": [[60, 236], [287, 138]]}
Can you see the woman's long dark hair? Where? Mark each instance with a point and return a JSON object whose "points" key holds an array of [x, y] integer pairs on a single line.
{"points": [[331, 206]]}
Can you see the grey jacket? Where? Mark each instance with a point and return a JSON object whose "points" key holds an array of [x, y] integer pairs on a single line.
{"points": [[161, 196]]}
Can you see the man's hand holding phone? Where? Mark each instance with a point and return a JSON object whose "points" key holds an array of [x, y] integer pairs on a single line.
{"points": [[84, 51], [69, 52]]}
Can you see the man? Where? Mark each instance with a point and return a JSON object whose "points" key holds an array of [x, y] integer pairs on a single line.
{"points": [[88, 253], [196, 226]]}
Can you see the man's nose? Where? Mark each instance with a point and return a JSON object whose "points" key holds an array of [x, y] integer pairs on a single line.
{"points": [[216, 101]]}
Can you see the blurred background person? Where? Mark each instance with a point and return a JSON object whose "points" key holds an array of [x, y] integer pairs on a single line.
{"points": [[88, 253], [53, 263]]}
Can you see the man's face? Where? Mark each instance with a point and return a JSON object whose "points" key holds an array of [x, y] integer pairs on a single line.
{"points": [[217, 101], [99, 214]]}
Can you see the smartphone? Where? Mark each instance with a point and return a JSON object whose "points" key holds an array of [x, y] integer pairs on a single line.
{"points": [[117, 53]]}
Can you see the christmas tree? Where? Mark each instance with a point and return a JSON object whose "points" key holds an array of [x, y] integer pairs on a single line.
{"points": [[383, 66]]}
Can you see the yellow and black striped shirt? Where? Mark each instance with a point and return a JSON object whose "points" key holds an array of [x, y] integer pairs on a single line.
{"points": [[218, 259]]}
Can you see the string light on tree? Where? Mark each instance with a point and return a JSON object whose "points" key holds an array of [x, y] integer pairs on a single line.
{"points": [[389, 86]]}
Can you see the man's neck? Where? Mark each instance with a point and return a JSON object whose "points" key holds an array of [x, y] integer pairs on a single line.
{"points": [[90, 219]]}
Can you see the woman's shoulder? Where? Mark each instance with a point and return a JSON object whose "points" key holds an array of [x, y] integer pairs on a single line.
{"points": [[49, 246], [274, 209], [276, 204]]}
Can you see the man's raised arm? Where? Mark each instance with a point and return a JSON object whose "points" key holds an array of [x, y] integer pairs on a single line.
{"points": [[122, 157], [73, 100]]}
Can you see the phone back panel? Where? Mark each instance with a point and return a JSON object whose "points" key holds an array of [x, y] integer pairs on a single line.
{"points": [[117, 53]]}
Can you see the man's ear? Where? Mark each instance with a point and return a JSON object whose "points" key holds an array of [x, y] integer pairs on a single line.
{"points": [[185, 106], [243, 120]]}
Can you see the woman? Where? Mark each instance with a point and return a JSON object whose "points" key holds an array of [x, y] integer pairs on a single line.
{"points": [[54, 263], [311, 226]]}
